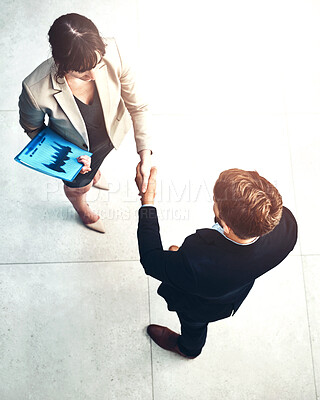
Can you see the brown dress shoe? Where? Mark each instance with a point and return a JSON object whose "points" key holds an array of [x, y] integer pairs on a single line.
{"points": [[165, 338]]}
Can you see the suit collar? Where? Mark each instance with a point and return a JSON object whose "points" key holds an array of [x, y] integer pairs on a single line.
{"points": [[212, 236], [65, 99], [102, 83], [208, 235]]}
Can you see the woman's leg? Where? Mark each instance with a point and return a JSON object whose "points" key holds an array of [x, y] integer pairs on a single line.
{"points": [[77, 197], [99, 181], [96, 177]]}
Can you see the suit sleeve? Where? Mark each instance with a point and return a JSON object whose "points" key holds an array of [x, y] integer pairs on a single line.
{"points": [[171, 267], [31, 116], [137, 107]]}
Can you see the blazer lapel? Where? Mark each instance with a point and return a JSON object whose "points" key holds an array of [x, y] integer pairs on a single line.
{"points": [[104, 94], [66, 101]]}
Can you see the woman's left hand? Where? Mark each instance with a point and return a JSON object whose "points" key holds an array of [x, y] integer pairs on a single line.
{"points": [[145, 167], [86, 161]]}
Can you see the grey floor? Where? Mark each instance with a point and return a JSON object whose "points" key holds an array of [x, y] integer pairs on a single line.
{"points": [[231, 84]]}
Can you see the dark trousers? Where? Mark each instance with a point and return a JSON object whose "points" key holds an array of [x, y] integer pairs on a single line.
{"points": [[193, 336], [194, 333]]}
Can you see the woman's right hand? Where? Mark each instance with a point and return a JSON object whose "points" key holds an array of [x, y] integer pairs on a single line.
{"points": [[86, 161]]}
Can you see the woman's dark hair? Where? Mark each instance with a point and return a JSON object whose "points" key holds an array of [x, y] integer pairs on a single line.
{"points": [[75, 41]]}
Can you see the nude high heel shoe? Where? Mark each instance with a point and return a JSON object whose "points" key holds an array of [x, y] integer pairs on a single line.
{"points": [[102, 183], [97, 226]]}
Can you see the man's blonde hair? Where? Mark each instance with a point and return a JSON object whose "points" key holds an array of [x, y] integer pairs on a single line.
{"points": [[249, 204]]}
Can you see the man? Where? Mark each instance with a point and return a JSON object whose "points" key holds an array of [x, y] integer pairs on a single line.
{"points": [[210, 275]]}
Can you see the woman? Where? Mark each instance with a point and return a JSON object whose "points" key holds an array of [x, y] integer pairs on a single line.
{"points": [[86, 90]]}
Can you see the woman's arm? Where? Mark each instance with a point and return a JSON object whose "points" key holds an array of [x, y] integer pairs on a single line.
{"points": [[32, 120], [135, 104], [139, 113], [31, 116]]}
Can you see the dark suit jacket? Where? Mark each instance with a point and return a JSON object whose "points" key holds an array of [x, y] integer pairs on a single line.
{"points": [[210, 275]]}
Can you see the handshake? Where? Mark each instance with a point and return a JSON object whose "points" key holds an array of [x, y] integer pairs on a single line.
{"points": [[148, 196]]}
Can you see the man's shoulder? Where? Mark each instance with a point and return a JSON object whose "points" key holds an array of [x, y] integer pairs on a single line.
{"points": [[287, 215], [207, 235], [205, 239], [284, 235], [286, 228]]}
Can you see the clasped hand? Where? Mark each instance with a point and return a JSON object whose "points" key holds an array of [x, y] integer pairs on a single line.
{"points": [[148, 196], [145, 178]]}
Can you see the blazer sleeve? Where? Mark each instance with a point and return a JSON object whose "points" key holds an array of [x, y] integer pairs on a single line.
{"points": [[171, 267], [31, 116], [137, 107]]}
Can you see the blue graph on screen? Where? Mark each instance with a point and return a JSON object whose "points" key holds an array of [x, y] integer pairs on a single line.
{"points": [[59, 157], [52, 155]]}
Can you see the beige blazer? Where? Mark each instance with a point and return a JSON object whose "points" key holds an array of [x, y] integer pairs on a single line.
{"points": [[44, 94]]}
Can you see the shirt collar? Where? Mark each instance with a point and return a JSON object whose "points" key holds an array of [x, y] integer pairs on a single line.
{"points": [[218, 228]]}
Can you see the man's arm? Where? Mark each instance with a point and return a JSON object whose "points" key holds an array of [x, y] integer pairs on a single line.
{"points": [[171, 267]]}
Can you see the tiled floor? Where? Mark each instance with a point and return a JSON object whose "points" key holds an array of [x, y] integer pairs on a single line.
{"points": [[232, 84]]}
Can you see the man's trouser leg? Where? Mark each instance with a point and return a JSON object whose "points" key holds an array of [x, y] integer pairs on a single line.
{"points": [[193, 336], [194, 333]]}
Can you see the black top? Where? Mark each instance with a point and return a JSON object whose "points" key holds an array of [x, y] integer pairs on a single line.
{"points": [[93, 118], [99, 142], [209, 269]]}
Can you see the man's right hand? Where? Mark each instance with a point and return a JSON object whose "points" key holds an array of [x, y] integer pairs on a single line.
{"points": [[149, 195]]}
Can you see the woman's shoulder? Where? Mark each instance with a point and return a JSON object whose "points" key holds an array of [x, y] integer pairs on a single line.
{"points": [[111, 48], [119, 55], [116, 46], [42, 72]]}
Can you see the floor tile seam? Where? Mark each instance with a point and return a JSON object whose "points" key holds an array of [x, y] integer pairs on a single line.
{"points": [[305, 255], [114, 261], [139, 23], [292, 175], [221, 113], [68, 262], [309, 329], [300, 248], [224, 113], [151, 353]]}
